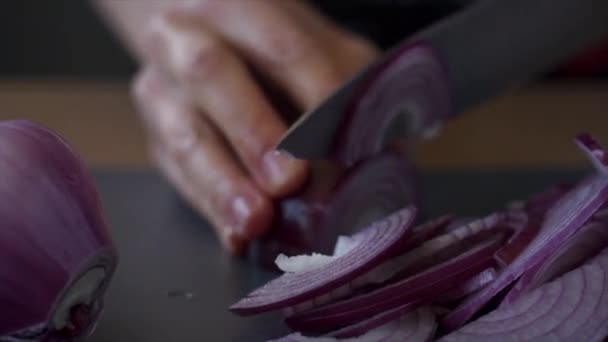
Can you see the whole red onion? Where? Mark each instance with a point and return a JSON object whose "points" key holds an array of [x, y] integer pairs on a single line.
{"points": [[56, 253]]}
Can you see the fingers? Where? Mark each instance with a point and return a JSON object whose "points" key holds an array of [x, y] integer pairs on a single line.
{"points": [[349, 51], [222, 87], [292, 44], [196, 161], [213, 131]]}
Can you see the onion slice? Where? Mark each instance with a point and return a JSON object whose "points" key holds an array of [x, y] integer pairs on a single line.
{"points": [[525, 232], [593, 151], [459, 222], [371, 191], [561, 221], [405, 96], [585, 244], [414, 326], [307, 262], [541, 202], [528, 222], [57, 253], [430, 230], [374, 244], [472, 285], [573, 307], [438, 249], [425, 285], [378, 320], [423, 254]]}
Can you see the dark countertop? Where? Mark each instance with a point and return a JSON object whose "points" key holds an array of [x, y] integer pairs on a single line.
{"points": [[166, 249]]}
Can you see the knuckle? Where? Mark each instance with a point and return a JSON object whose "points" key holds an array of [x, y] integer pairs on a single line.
{"points": [[324, 88], [205, 8], [144, 85], [200, 60], [178, 135], [330, 80], [164, 20], [365, 49], [191, 52], [258, 136], [156, 32], [288, 46], [358, 47], [171, 119], [171, 125], [279, 37]]}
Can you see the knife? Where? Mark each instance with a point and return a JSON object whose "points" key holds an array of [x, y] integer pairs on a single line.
{"points": [[486, 48]]}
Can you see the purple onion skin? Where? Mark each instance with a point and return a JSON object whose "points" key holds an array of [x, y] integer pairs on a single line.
{"points": [[543, 201], [431, 229], [530, 221], [413, 74], [593, 151], [312, 219], [52, 229]]}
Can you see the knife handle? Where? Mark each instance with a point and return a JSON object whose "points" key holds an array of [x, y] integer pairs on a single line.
{"points": [[497, 44]]}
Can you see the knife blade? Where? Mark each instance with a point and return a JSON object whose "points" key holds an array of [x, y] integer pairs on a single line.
{"points": [[486, 48]]}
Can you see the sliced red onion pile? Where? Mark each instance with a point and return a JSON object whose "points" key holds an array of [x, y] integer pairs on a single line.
{"points": [[332, 278], [396, 325], [468, 287], [56, 253], [591, 239], [534, 270], [574, 307]]}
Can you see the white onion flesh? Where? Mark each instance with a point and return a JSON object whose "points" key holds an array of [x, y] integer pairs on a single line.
{"points": [[311, 262], [302, 263]]}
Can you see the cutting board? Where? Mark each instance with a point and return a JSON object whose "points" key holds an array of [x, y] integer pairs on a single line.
{"points": [[174, 283]]}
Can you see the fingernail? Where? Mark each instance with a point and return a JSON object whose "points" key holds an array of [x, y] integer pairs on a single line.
{"points": [[243, 208], [276, 167]]}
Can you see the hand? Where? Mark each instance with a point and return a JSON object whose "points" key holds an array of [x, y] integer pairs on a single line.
{"points": [[211, 127]]}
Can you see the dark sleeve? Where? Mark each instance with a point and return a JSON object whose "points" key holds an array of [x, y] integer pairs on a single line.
{"points": [[388, 21]]}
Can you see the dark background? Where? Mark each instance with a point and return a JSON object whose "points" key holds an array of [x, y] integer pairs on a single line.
{"points": [[68, 38], [58, 37], [45, 38]]}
